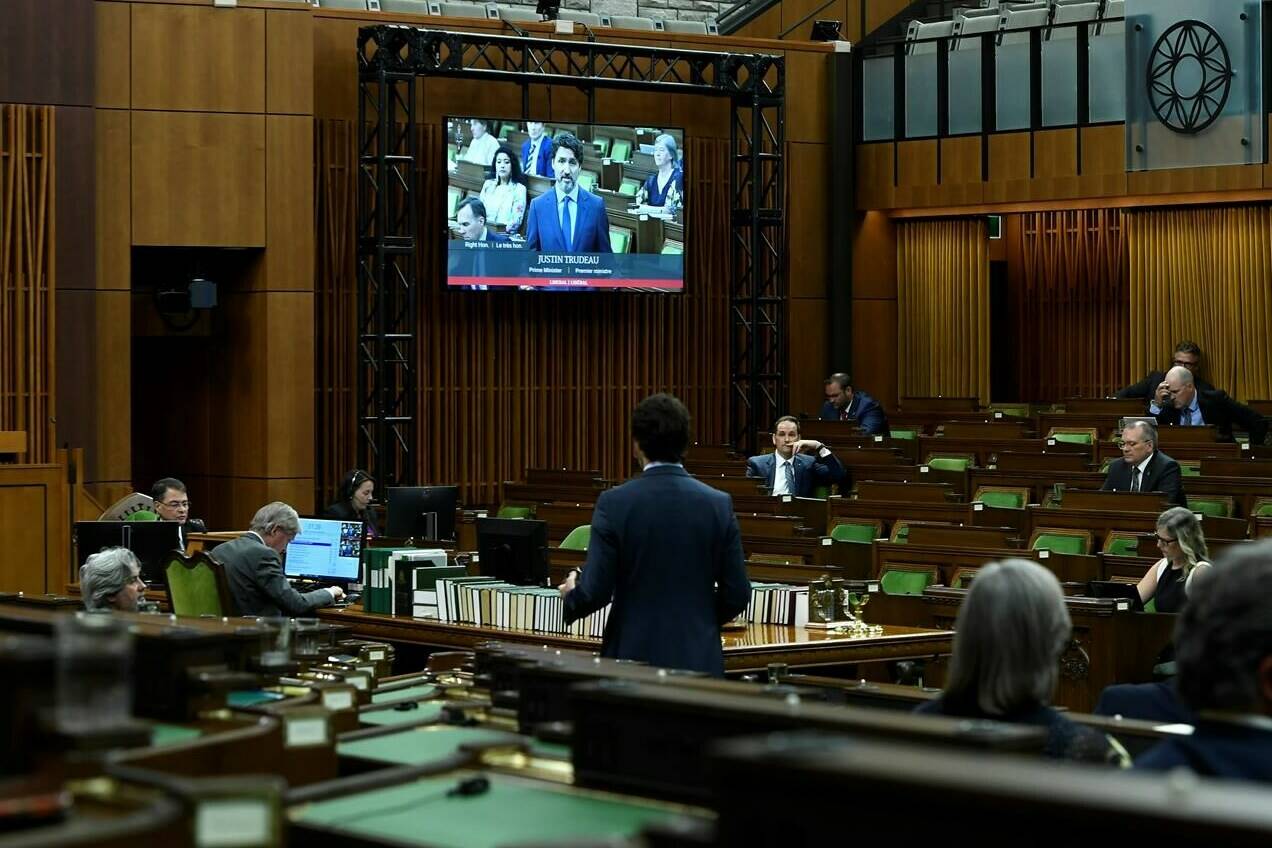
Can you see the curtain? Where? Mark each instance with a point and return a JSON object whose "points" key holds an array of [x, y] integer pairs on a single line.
{"points": [[27, 397], [943, 309], [1204, 274]]}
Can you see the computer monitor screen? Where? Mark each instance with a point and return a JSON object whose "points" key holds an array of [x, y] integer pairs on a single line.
{"points": [[151, 541], [514, 550], [422, 512], [326, 549], [564, 207]]}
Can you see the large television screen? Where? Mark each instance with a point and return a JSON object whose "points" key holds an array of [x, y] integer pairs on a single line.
{"points": [[550, 206]]}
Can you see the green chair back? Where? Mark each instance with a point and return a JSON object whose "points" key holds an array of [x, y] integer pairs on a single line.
{"points": [[949, 463], [902, 534], [1073, 438], [192, 591], [907, 435], [1189, 469], [1003, 500], [514, 512], [1122, 547], [142, 515], [850, 532], [1207, 506], [1058, 544], [821, 492], [578, 538], [621, 151], [1151, 606], [1265, 509], [905, 582], [628, 187]]}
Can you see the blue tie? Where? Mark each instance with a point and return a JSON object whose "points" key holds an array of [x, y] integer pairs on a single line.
{"points": [[567, 225], [790, 478]]}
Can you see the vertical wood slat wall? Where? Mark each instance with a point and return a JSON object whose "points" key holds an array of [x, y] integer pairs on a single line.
{"points": [[27, 213], [515, 380], [1071, 303]]}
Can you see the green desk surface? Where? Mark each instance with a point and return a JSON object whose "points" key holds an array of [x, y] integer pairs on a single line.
{"points": [[251, 697], [513, 810], [425, 711], [432, 742], [423, 691], [172, 734]]}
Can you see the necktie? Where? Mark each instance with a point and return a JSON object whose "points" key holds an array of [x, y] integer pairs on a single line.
{"points": [[532, 159], [567, 225], [1135, 479], [790, 478]]}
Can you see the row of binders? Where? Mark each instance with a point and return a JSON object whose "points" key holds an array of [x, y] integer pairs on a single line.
{"points": [[777, 603], [487, 602]]}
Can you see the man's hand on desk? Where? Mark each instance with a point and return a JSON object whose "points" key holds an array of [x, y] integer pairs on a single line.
{"points": [[568, 586], [336, 592]]}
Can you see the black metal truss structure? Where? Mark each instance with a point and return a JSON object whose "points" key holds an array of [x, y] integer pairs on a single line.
{"points": [[391, 58]]}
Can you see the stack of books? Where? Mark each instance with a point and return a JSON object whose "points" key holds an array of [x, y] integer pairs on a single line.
{"points": [[487, 602], [778, 603]]}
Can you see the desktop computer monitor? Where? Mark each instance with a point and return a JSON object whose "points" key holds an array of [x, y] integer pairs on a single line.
{"points": [[514, 550], [422, 512], [327, 550], [151, 541]]}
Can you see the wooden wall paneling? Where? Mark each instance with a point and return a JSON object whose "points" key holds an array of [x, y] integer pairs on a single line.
{"points": [[33, 509], [113, 54], [808, 175], [287, 263], [806, 366], [1103, 161], [767, 25], [874, 257], [847, 12], [289, 62], [1008, 167], [28, 273], [483, 98], [916, 173], [874, 348], [875, 175], [46, 52], [961, 181], [1267, 169], [879, 12], [807, 93], [1055, 164], [335, 68], [111, 465], [198, 58], [702, 117], [1191, 180], [217, 160], [113, 199]]}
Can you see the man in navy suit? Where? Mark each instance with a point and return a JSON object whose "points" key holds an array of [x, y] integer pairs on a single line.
{"points": [[1223, 646], [536, 151], [470, 220], [666, 549], [843, 402], [1188, 406], [1143, 468], [788, 471], [568, 219]]}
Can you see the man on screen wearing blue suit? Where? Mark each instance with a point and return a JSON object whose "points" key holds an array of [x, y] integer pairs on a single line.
{"points": [[568, 219], [787, 471], [536, 151]]}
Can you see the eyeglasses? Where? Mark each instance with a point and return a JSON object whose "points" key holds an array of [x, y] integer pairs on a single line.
{"points": [[176, 504], [1162, 540], [1130, 443]]}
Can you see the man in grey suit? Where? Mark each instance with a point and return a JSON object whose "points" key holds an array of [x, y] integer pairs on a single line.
{"points": [[254, 567]]}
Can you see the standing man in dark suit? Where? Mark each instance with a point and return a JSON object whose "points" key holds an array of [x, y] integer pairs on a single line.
{"points": [[789, 471], [1188, 407], [1143, 468], [843, 403], [254, 567], [536, 151], [1187, 355], [666, 549], [172, 503], [1223, 647], [568, 219]]}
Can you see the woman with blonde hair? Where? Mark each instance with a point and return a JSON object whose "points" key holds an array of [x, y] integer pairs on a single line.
{"points": [[1183, 547]]}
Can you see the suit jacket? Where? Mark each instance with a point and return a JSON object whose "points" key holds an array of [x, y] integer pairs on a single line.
{"points": [[1215, 749], [1221, 411], [192, 525], [1161, 475], [543, 161], [257, 583], [864, 408], [591, 225], [810, 472], [1147, 387], [666, 548]]}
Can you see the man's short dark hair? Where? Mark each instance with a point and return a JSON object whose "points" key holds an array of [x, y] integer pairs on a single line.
{"points": [[471, 201], [1188, 347], [1225, 631], [843, 380], [660, 425], [569, 141], [790, 418], [161, 487]]}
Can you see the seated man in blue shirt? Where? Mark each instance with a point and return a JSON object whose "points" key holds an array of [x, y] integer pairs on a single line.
{"points": [[1188, 406], [787, 471], [844, 403]]}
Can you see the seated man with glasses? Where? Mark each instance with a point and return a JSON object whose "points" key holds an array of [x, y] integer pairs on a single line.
{"points": [[1143, 468], [253, 564], [172, 503], [1153, 386]]}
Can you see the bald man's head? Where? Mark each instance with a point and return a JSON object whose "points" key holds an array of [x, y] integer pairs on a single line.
{"points": [[1180, 382]]}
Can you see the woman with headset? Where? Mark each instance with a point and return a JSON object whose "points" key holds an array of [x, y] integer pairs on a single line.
{"points": [[354, 501]]}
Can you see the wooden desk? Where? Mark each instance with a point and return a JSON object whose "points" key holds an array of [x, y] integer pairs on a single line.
{"points": [[12, 442], [744, 651]]}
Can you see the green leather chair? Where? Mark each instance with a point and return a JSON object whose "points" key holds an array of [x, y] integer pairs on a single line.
{"points": [[142, 515], [905, 582], [861, 532], [906, 435], [578, 538], [949, 463], [1214, 506], [1060, 543], [514, 512], [197, 586], [1121, 544]]}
